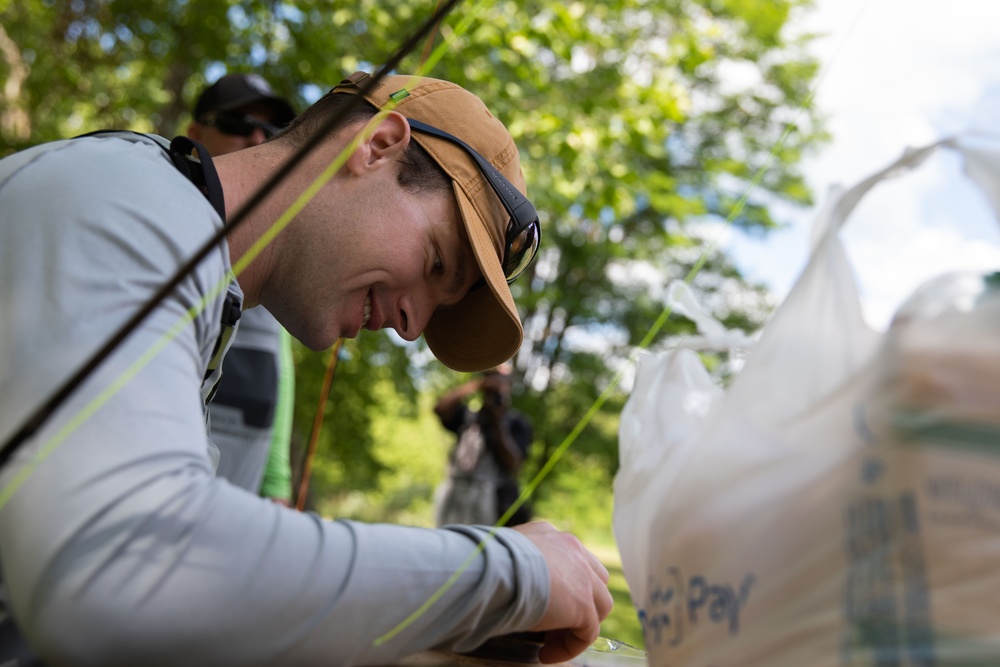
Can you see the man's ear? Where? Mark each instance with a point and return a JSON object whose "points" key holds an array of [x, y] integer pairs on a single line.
{"points": [[194, 131], [380, 145]]}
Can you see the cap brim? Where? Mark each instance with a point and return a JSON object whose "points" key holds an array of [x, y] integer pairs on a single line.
{"points": [[483, 330]]}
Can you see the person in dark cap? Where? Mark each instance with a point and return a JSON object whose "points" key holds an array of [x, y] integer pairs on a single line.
{"points": [[250, 417], [119, 545], [238, 111]]}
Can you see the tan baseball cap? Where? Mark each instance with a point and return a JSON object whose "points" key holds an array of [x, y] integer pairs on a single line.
{"points": [[483, 330]]}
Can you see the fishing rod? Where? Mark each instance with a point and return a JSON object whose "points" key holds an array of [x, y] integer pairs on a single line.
{"points": [[324, 393], [46, 409]]}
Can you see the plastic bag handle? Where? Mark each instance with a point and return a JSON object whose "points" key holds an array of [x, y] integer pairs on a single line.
{"points": [[843, 203]]}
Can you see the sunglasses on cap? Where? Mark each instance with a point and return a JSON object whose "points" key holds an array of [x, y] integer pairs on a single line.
{"points": [[523, 231], [238, 125]]}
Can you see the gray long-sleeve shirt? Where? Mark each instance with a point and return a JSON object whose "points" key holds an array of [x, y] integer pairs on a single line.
{"points": [[119, 544]]}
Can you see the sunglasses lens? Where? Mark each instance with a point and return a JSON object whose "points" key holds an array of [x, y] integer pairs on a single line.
{"points": [[265, 127], [521, 250], [235, 125], [523, 231], [243, 126]]}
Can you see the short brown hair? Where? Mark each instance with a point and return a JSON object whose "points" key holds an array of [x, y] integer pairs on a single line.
{"points": [[418, 172]]}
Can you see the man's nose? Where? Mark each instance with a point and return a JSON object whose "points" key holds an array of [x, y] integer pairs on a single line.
{"points": [[414, 314]]}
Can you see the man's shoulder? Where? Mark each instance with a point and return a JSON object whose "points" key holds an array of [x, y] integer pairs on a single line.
{"points": [[117, 200], [130, 136], [119, 179], [131, 155], [103, 141], [122, 161]]}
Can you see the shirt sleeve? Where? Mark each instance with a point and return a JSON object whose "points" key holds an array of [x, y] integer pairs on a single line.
{"points": [[458, 420], [119, 546]]}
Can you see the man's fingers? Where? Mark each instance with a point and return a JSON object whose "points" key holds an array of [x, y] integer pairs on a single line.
{"points": [[563, 645], [579, 597], [599, 568], [603, 601]]}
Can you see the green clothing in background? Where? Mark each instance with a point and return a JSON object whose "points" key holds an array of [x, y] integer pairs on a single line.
{"points": [[277, 482]]}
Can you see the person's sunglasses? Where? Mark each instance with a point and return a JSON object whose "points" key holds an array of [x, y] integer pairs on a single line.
{"points": [[523, 231], [238, 125]]}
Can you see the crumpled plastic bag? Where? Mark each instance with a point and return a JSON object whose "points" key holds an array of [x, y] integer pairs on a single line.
{"points": [[837, 504]]}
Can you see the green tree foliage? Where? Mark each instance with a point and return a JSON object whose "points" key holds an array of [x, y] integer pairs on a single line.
{"points": [[641, 123]]}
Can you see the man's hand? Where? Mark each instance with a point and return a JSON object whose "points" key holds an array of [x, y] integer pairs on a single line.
{"points": [[578, 593]]}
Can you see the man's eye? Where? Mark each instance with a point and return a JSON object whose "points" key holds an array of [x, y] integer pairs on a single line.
{"points": [[438, 267]]}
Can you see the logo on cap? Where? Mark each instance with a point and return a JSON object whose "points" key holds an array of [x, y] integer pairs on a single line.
{"points": [[399, 94]]}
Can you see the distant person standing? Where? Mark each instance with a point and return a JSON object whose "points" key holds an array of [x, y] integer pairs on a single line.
{"points": [[491, 447], [251, 414]]}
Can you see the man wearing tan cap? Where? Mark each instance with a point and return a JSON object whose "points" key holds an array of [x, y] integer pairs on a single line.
{"points": [[118, 544]]}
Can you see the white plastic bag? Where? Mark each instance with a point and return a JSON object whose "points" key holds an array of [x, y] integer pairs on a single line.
{"points": [[839, 503]]}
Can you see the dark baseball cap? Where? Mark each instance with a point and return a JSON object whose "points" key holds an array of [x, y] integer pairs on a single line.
{"points": [[236, 90]]}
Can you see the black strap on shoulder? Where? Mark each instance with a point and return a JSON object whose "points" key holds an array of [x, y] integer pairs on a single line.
{"points": [[200, 170], [194, 162]]}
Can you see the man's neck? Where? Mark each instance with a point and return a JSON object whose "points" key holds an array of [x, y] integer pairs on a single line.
{"points": [[242, 174]]}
